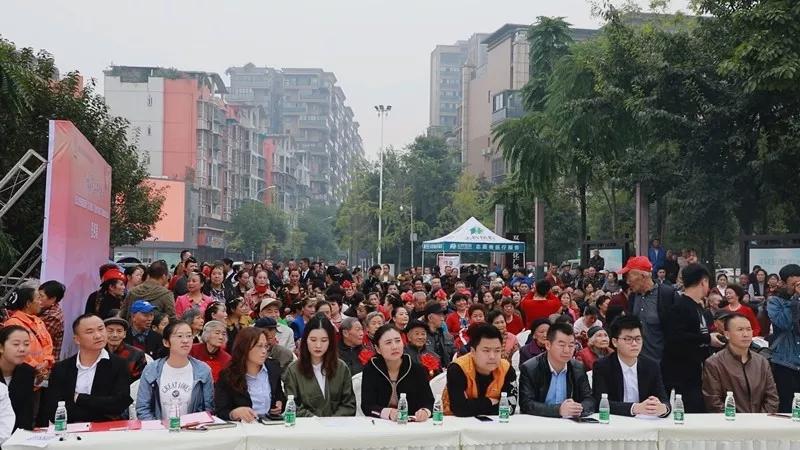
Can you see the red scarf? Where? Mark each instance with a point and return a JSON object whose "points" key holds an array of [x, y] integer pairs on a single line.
{"points": [[261, 289]]}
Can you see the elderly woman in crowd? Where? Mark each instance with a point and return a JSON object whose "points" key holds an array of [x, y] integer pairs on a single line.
{"points": [[598, 348], [212, 350]]}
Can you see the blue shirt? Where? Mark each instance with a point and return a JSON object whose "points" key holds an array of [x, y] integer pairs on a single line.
{"points": [[557, 392], [259, 390]]}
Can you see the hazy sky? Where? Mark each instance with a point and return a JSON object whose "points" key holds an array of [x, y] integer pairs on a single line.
{"points": [[378, 49]]}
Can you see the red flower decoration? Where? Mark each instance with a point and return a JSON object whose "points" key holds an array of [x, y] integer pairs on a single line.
{"points": [[506, 292], [441, 294], [431, 363], [364, 356]]}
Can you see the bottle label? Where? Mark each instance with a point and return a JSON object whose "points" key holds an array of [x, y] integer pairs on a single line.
{"points": [[402, 416], [289, 417], [60, 425], [604, 415], [730, 412], [504, 412], [438, 416], [796, 412], [678, 414], [174, 423]]}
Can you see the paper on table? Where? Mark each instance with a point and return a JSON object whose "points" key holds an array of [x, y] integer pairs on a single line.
{"points": [[152, 425], [196, 418], [647, 417], [38, 440], [80, 427]]}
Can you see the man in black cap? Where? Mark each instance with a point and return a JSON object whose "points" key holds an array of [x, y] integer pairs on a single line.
{"points": [[417, 333], [116, 330], [439, 339], [784, 312], [277, 352]]}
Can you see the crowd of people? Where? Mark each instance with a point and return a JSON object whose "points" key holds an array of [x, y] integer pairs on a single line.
{"points": [[236, 341]]}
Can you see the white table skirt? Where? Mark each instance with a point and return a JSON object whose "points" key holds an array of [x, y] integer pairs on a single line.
{"points": [[747, 432], [529, 432], [229, 438], [700, 432], [352, 433]]}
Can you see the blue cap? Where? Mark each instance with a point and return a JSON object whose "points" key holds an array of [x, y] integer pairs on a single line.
{"points": [[142, 306]]}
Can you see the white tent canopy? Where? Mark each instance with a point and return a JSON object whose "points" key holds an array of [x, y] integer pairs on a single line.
{"points": [[473, 236]]}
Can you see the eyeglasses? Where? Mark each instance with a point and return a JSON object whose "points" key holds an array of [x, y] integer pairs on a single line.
{"points": [[631, 339]]}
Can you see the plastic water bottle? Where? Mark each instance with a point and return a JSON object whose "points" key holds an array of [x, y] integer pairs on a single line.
{"points": [[672, 399], [504, 408], [730, 407], [60, 420], [438, 410], [677, 410], [796, 407], [402, 410], [605, 409], [290, 413], [175, 416]]}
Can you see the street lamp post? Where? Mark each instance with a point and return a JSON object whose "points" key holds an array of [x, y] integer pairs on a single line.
{"points": [[411, 236], [383, 111]]}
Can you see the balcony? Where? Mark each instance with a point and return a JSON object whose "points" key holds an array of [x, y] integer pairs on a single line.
{"points": [[321, 98], [507, 105], [203, 124], [318, 124]]}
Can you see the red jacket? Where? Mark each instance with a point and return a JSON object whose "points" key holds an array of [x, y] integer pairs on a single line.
{"points": [[537, 309], [515, 325], [216, 362]]}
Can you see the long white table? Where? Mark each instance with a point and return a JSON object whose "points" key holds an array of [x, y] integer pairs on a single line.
{"points": [[228, 438], [713, 432], [700, 432], [540, 433], [353, 432]]}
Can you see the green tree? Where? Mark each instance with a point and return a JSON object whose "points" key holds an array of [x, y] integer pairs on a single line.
{"points": [[30, 95], [258, 229], [316, 223]]}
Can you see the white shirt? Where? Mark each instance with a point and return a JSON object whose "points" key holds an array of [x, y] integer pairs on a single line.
{"points": [[285, 337], [175, 384], [580, 325], [7, 417], [320, 377], [630, 383], [83, 384]]}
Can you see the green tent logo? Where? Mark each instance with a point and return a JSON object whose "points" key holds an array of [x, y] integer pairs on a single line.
{"points": [[476, 230]]}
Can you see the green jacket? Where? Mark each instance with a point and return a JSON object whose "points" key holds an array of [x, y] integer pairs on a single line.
{"points": [[339, 400]]}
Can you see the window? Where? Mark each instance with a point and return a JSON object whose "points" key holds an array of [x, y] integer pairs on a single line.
{"points": [[499, 102]]}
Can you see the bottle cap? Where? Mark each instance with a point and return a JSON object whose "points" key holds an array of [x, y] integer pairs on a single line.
{"points": [[677, 396], [61, 403], [730, 393], [604, 395], [402, 395], [290, 397], [504, 394]]}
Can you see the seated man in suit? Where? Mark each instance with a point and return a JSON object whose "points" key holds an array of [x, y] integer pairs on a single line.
{"points": [[633, 383], [553, 384], [94, 384]]}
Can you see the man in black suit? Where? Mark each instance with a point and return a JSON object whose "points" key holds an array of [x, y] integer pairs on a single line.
{"points": [[688, 340], [305, 272], [94, 384], [633, 382], [553, 384]]}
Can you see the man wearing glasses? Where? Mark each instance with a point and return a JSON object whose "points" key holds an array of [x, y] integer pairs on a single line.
{"points": [[633, 382], [553, 384]]}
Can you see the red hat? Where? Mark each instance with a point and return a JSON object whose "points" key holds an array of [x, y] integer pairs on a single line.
{"points": [[346, 284], [637, 263], [506, 292], [407, 297], [440, 294], [114, 274]]}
